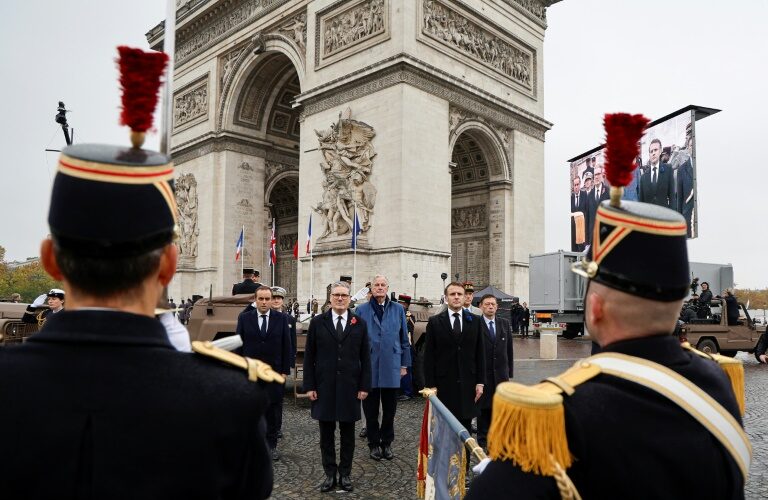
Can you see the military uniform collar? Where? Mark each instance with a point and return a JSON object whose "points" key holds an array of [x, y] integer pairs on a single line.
{"points": [[102, 326], [663, 349]]}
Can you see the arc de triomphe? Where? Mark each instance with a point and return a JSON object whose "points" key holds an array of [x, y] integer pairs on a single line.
{"points": [[424, 117]]}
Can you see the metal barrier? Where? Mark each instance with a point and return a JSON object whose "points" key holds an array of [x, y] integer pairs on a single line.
{"points": [[16, 332]]}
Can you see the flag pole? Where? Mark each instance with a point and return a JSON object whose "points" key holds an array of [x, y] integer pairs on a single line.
{"points": [[242, 256], [355, 223], [311, 264], [272, 252]]}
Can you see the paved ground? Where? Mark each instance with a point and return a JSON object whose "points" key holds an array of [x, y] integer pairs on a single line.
{"points": [[298, 474]]}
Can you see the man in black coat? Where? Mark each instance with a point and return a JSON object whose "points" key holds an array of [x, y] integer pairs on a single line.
{"points": [[106, 407], [249, 284], [266, 337], [337, 376], [454, 358], [578, 206], [657, 185], [499, 360]]}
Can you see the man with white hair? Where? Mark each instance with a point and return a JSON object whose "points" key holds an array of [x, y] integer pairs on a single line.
{"points": [[390, 358]]}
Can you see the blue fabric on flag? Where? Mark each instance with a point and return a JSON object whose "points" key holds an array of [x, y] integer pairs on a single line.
{"points": [[445, 465], [356, 230], [239, 245]]}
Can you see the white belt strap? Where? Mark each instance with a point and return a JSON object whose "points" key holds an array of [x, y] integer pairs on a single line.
{"points": [[685, 394]]}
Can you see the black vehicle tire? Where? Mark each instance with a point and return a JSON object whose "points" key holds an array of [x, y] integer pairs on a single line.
{"points": [[707, 345], [571, 330]]}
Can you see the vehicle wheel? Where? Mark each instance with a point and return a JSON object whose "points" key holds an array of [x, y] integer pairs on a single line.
{"points": [[571, 330], [707, 345]]}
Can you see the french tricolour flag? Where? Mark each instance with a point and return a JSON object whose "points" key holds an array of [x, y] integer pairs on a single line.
{"points": [[273, 246], [309, 235], [239, 246]]}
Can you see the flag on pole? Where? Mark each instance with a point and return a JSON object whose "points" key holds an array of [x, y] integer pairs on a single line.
{"points": [[441, 465], [239, 245], [309, 234], [273, 247], [356, 230], [296, 250]]}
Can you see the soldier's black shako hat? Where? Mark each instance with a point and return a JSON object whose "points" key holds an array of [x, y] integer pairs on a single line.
{"points": [[111, 201], [640, 249]]}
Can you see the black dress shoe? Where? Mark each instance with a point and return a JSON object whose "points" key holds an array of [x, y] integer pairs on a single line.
{"points": [[386, 452], [375, 453], [364, 432], [346, 483], [328, 484], [274, 454]]}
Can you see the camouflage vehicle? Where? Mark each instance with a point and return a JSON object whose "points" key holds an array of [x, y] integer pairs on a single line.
{"points": [[12, 329], [713, 334]]}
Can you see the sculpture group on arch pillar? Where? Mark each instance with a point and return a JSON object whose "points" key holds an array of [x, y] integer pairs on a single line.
{"points": [[348, 157]]}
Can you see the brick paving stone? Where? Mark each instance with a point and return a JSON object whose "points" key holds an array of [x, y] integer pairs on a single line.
{"points": [[298, 473]]}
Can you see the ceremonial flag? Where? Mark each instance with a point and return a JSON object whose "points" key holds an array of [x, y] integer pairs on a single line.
{"points": [[309, 234], [442, 462], [296, 250], [273, 247], [356, 230], [239, 244]]}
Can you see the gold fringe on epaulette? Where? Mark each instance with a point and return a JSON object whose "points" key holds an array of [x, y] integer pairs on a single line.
{"points": [[733, 368], [735, 371], [528, 428]]}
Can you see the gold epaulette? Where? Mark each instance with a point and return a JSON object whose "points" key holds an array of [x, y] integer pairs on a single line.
{"points": [[257, 370], [528, 424], [733, 368]]}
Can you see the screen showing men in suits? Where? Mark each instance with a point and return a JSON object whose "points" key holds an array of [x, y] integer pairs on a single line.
{"points": [[665, 176]]}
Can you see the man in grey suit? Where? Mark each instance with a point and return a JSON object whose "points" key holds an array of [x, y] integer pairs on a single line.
{"points": [[499, 358], [656, 185]]}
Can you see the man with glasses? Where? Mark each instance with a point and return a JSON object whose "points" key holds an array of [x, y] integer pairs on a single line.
{"points": [[337, 376]]}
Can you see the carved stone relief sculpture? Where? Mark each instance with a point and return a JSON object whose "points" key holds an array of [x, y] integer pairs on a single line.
{"points": [[348, 157], [467, 219], [191, 105], [457, 116], [451, 28], [296, 30], [347, 29], [186, 200]]}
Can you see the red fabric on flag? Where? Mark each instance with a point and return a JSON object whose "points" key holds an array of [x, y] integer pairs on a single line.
{"points": [[421, 468], [296, 250]]}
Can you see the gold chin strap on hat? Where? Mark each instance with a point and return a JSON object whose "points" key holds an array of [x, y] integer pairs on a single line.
{"points": [[257, 370]]}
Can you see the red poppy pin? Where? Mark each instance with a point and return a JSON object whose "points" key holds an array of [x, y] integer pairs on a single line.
{"points": [[353, 321]]}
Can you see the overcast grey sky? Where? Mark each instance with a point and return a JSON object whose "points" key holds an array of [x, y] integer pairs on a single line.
{"points": [[649, 57]]}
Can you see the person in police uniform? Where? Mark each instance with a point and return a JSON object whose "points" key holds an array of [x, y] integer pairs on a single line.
{"points": [[249, 284], [106, 407], [621, 415]]}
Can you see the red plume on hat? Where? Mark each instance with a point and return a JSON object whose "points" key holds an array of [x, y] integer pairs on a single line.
{"points": [[622, 145], [140, 74]]}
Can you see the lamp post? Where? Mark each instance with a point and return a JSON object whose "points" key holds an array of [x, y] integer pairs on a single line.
{"points": [[415, 277], [444, 276], [457, 277]]}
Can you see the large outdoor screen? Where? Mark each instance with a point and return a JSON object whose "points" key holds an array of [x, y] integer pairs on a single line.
{"points": [[666, 176]]}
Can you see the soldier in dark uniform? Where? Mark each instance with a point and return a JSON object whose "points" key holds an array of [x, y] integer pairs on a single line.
{"points": [[249, 284], [55, 299], [106, 407], [644, 405]]}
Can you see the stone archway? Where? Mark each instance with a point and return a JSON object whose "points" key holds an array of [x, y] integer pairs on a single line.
{"points": [[476, 163]]}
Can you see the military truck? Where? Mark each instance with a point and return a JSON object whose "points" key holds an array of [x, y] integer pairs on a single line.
{"points": [[556, 294], [12, 329], [714, 335]]}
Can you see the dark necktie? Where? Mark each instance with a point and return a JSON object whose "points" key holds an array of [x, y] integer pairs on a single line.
{"points": [[577, 201], [492, 330], [339, 328], [456, 324], [263, 325], [653, 178], [597, 194]]}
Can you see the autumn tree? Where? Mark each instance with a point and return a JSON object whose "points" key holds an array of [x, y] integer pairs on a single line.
{"points": [[28, 280]]}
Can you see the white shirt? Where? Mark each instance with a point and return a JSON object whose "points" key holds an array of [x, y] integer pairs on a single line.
{"points": [[343, 319], [265, 319], [488, 322]]}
